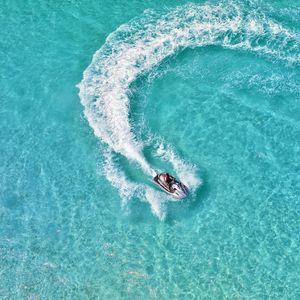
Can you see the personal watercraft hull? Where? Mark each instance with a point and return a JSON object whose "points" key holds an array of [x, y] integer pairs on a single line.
{"points": [[176, 189]]}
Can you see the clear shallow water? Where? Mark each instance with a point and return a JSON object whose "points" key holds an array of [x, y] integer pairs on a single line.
{"points": [[70, 230]]}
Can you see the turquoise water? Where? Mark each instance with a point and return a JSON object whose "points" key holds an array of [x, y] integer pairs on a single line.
{"points": [[96, 96]]}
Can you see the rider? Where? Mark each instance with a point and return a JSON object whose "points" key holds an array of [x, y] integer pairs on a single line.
{"points": [[169, 179]]}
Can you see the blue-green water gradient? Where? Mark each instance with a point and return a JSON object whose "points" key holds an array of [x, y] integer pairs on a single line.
{"points": [[212, 88]]}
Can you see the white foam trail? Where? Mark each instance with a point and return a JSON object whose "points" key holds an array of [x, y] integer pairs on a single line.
{"points": [[157, 202], [185, 171], [118, 179], [129, 189], [138, 46]]}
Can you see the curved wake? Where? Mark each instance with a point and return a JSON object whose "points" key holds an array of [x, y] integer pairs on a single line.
{"points": [[137, 47]]}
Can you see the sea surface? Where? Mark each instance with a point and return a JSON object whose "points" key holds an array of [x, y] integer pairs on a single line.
{"points": [[98, 96]]}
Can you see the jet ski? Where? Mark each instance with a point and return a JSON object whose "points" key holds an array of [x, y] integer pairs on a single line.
{"points": [[171, 185]]}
